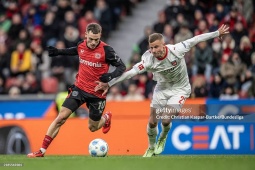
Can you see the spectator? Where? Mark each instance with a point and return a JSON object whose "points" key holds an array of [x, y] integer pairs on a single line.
{"points": [[103, 14], [4, 62], [183, 34], [30, 85], [168, 34], [203, 59], [21, 60], [238, 33], [228, 46], [16, 26], [229, 93], [245, 50], [133, 94], [50, 29], [232, 18], [143, 44], [41, 63], [5, 23], [161, 22], [114, 94], [62, 67], [216, 86], [84, 21]]}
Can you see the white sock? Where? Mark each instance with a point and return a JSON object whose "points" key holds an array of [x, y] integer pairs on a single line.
{"points": [[165, 130], [152, 134], [43, 150]]}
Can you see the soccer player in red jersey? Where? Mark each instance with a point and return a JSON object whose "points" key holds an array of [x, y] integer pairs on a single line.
{"points": [[95, 56]]}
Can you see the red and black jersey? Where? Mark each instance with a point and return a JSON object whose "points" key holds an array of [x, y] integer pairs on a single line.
{"points": [[93, 63]]}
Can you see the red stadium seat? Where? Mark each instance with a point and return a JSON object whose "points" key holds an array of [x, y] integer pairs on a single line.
{"points": [[50, 85], [10, 82]]}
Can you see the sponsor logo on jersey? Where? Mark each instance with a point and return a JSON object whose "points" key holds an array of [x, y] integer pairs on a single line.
{"points": [[174, 63], [141, 67], [97, 55], [89, 63]]}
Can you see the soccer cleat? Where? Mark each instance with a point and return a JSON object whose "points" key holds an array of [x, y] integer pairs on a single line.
{"points": [[107, 125], [160, 146], [149, 153], [35, 154]]}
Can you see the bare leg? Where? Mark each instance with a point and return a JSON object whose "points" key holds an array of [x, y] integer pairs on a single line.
{"points": [[58, 122], [95, 125]]}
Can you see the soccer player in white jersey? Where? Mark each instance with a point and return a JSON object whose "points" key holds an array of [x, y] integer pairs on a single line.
{"points": [[168, 66]]}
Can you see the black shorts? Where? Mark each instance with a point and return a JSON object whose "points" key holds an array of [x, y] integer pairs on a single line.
{"points": [[76, 97]]}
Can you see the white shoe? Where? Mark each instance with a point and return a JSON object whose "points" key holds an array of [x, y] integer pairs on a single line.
{"points": [[160, 146], [149, 153]]}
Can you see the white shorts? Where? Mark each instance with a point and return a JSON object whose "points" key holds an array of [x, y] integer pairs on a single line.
{"points": [[165, 96]]}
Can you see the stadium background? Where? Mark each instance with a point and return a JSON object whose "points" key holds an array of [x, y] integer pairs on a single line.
{"points": [[221, 73]]}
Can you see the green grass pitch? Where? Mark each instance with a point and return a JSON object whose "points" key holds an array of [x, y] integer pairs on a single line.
{"points": [[191, 162]]}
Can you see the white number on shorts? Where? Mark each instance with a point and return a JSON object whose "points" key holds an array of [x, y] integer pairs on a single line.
{"points": [[101, 105]]}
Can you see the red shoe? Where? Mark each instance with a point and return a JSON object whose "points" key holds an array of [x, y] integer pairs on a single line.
{"points": [[35, 154], [107, 125]]}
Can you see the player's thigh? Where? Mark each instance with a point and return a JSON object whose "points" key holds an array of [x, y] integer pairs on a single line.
{"points": [[159, 100], [74, 99], [96, 109], [176, 102]]}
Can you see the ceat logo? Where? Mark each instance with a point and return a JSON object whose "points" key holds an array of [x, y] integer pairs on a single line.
{"points": [[200, 137]]}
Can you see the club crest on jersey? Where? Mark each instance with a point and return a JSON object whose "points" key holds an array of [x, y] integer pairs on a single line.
{"points": [[174, 63], [75, 93], [98, 55], [82, 51]]}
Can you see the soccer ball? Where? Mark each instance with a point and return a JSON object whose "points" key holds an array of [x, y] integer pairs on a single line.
{"points": [[98, 148]]}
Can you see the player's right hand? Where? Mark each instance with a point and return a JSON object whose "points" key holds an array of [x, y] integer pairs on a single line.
{"points": [[52, 51], [102, 86]]}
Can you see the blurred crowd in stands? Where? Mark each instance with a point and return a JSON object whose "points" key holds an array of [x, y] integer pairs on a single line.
{"points": [[27, 27], [222, 69]]}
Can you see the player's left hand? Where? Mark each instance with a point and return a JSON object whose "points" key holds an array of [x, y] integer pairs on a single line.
{"points": [[223, 30], [102, 86], [106, 77]]}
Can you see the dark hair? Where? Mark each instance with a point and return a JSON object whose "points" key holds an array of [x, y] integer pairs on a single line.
{"points": [[154, 37], [94, 28]]}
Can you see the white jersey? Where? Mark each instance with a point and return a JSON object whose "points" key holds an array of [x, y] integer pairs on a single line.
{"points": [[172, 69]]}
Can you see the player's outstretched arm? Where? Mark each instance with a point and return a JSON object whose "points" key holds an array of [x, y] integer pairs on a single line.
{"points": [[67, 51], [106, 86], [223, 30]]}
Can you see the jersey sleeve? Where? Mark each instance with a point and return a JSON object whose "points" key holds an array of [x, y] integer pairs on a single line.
{"points": [[181, 48], [68, 51], [113, 59], [141, 66]]}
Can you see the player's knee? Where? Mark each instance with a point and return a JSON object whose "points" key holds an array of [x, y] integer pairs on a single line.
{"points": [[92, 128], [152, 124], [165, 122]]}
